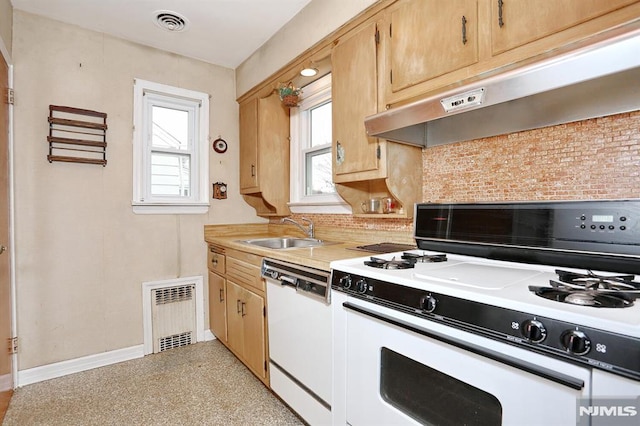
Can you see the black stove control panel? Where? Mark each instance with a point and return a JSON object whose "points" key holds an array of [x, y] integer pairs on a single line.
{"points": [[595, 348], [592, 234]]}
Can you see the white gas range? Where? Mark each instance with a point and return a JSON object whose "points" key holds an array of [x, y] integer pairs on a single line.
{"points": [[467, 340]]}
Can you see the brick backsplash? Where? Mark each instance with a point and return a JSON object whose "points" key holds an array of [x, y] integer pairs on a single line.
{"points": [[590, 159]]}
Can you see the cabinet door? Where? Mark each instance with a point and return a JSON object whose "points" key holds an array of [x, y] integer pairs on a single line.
{"points": [[235, 328], [354, 96], [249, 146], [252, 312], [517, 22], [429, 38], [217, 306]]}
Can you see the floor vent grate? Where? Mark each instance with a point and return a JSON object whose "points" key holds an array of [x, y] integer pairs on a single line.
{"points": [[175, 341]]}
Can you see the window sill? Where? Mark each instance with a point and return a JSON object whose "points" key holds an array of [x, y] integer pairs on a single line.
{"points": [[326, 208], [160, 208]]}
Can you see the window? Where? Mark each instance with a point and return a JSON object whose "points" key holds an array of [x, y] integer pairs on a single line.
{"points": [[171, 166], [312, 188]]}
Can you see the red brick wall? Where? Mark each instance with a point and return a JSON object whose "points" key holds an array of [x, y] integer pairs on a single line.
{"points": [[591, 159]]}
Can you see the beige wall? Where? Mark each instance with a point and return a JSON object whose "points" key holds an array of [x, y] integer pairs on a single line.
{"points": [[6, 24], [318, 19], [81, 252]]}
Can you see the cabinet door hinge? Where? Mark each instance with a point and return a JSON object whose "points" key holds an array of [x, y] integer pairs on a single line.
{"points": [[13, 345], [378, 154], [10, 96]]}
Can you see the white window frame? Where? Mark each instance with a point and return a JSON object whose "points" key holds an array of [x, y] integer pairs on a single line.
{"points": [[145, 95], [314, 94]]}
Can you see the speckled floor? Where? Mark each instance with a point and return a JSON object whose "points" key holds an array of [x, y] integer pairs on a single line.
{"points": [[199, 384]]}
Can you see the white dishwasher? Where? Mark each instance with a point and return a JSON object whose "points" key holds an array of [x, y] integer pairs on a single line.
{"points": [[300, 342]]}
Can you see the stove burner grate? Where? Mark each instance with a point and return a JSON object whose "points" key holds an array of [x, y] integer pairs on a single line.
{"points": [[598, 282], [406, 261], [425, 258], [584, 297], [600, 291]]}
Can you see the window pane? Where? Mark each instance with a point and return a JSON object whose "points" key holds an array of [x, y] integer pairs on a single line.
{"points": [[318, 171], [320, 125], [170, 128], [170, 174]]}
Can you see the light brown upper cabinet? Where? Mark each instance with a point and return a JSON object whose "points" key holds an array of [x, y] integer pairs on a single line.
{"points": [[431, 44], [354, 96], [365, 167], [264, 155], [428, 38], [518, 22]]}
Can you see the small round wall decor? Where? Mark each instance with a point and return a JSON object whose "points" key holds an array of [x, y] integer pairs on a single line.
{"points": [[220, 146]]}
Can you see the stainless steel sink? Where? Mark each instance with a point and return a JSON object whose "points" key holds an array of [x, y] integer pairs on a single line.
{"points": [[280, 243]]}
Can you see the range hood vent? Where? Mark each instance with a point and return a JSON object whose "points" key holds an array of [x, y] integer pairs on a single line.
{"points": [[594, 78]]}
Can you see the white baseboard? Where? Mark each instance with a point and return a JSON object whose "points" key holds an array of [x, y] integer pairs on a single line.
{"points": [[59, 369], [208, 335]]}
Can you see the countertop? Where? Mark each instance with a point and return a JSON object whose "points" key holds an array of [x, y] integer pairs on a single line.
{"points": [[230, 237]]}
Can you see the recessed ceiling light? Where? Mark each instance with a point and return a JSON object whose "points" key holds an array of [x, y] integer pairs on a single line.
{"points": [[170, 21], [309, 72]]}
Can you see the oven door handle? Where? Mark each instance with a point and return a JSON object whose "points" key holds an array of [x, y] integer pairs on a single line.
{"points": [[546, 373]]}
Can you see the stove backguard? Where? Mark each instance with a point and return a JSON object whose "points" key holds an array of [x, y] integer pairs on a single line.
{"points": [[599, 234]]}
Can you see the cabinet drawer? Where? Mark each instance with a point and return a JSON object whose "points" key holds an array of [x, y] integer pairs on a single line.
{"points": [[216, 261], [250, 258], [245, 273]]}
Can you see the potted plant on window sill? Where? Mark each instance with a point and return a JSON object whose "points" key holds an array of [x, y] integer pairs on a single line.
{"points": [[289, 94]]}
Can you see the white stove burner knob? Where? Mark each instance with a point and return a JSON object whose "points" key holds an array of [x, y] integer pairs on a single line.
{"points": [[576, 342], [534, 331], [428, 303]]}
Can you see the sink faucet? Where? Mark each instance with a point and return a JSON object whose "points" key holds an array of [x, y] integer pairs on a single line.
{"points": [[309, 231]]}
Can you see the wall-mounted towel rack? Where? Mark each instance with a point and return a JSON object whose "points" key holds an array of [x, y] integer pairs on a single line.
{"points": [[65, 123]]}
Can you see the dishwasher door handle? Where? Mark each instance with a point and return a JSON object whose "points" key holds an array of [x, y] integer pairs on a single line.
{"points": [[290, 281]]}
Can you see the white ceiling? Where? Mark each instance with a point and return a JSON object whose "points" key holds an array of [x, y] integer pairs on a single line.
{"points": [[221, 32]]}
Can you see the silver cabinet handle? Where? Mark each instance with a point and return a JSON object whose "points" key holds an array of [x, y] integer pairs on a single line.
{"points": [[2, 249], [221, 295]]}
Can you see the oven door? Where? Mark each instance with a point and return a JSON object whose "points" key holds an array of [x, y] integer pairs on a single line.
{"points": [[405, 370]]}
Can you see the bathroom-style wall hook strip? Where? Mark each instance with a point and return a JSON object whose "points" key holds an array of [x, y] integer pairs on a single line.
{"points": [[65, 124]]}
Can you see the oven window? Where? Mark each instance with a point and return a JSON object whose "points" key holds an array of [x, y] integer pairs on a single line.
{"points": [[434, 398]]}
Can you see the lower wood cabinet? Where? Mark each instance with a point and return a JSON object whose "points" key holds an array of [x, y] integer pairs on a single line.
{"points": [[217, 306], [237, 312], [246, 327]]}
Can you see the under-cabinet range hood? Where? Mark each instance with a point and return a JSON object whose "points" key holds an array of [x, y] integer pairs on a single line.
{"points": [[594, 78]]}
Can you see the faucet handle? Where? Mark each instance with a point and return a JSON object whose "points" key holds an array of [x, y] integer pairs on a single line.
{"points": [[310, 231]]}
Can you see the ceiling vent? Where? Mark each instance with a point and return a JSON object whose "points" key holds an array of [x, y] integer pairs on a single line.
{"points": [[170, 21]]}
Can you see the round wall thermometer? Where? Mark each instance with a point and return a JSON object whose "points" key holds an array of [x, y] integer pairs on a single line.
{"points": [[220, 145]]}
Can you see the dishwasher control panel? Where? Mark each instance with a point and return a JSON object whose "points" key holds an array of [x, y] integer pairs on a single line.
{"points": [[310, 281]]}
